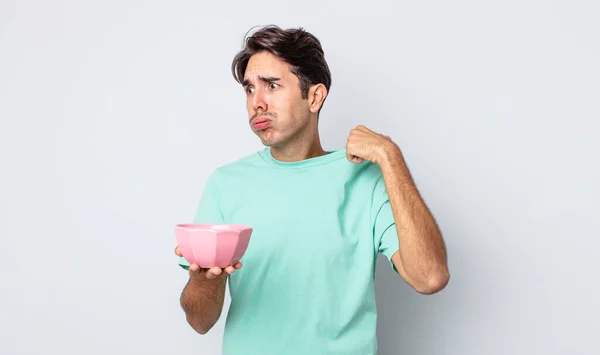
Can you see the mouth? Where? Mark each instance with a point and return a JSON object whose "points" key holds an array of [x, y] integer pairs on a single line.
{"points": [[261, 123]]}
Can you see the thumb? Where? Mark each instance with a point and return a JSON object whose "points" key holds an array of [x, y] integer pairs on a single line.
{"points": [[354, 159], [349, 156]]}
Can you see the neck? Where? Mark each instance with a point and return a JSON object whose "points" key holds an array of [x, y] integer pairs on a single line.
{"points": [[305, 145]]}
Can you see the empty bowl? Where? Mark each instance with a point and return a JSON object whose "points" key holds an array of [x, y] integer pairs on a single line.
{"points": [[210, 245]]}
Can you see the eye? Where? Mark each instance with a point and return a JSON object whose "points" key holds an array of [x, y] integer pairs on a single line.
{"points": [[249, 90], [273, 86]]}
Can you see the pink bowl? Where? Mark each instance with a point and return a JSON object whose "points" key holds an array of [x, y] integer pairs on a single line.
{"points": [[209, 245]]}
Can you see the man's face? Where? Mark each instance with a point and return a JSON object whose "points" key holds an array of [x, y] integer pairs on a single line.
{"points": [[276, 111]]}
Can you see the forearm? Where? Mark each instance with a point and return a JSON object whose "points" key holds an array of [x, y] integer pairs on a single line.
{"points": [[202, 302], [422, 250]]}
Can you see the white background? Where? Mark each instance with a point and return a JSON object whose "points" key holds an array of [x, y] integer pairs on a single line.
{"points": [[114, 113]]}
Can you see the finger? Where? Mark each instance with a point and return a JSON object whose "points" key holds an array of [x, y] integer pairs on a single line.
{"points": [[230, 270], [362, 128], [237, 265], [356, 160], [353, 158], [349, 156], [194, 267], [213, 272], [178, 251], [354, 132]]}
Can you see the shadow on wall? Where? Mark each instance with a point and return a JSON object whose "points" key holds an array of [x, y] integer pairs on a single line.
{"points": [[408, 322]]}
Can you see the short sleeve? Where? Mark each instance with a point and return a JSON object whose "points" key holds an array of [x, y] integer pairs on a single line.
{"points": [[208, 210], [384, 226]]}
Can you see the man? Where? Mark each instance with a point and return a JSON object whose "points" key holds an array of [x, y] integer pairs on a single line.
{"points": [[320, 218]]}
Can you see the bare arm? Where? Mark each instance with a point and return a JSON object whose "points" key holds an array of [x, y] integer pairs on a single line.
{"points": [[203, 296], [202, 301], [422, 259]]}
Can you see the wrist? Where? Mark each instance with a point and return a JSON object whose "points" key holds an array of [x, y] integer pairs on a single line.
{"points": [[202, 280], [389, 156]]}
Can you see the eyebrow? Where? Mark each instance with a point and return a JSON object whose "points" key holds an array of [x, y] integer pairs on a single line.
{"points": [[267, 79]]}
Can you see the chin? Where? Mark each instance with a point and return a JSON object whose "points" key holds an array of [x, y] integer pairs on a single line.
{"points": [[268, 138], [269, 143]]}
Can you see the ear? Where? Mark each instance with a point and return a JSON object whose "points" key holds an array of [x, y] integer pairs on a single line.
{"points": [[316, 95]]}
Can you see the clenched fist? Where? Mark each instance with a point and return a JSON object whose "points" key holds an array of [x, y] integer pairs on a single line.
{"points": [[364, 144]]}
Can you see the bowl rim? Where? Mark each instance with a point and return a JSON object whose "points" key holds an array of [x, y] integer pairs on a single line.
{"points": [[211, 226]]}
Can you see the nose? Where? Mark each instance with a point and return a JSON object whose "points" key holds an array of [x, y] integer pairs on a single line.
{"points": [[259, 101]]}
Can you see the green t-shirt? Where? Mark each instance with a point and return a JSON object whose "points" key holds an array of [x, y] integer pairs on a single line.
{"points": [[307, 285]]}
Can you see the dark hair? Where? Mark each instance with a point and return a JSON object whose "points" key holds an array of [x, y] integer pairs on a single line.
{"points": [[297, 47]]}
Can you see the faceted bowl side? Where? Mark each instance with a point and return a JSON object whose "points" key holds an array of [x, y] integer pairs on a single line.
{"points": [[210, 245]]}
